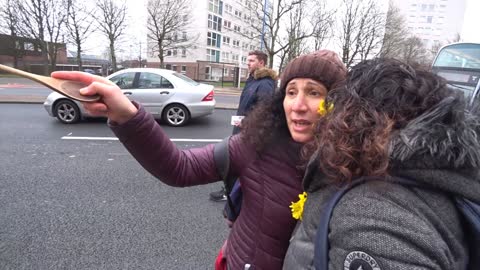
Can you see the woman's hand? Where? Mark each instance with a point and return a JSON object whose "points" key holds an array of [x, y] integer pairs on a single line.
{"points": [[112, 104]]}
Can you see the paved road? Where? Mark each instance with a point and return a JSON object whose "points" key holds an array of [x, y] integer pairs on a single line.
{"points": [[87, 204], [20, 90]]}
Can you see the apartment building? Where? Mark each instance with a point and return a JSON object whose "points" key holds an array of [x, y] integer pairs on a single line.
{"points": [[434, 21], [223, 36]]}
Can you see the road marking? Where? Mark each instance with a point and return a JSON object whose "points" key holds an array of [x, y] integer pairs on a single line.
{"points": [[116, 139]]}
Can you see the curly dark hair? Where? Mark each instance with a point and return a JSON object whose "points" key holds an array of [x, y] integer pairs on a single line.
{"points": [[379, 97], [266, 122]]}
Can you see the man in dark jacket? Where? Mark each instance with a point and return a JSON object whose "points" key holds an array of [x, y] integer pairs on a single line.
{"points": [[260, 84]]}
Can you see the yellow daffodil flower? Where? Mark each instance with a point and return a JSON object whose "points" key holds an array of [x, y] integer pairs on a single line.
{"points": [[322, 110], [297, 207]]}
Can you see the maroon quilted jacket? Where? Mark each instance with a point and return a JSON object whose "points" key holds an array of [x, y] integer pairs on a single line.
{"points": [[270, 182]]}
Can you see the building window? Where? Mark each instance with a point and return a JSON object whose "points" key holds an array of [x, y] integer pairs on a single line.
{"points": [[252, 47], [225, 72], [28, 46], [244, 59], [236, 28], [238, 14], [213, 39], [226, 40], [235, 57], [225, 56], [184, 69], [184, 36], [184, 53], [213, 55], [214, 23], [174, 68], [169, 53], [174, 52], [236, 43], [228, 9], [215, 6], [168, 66], [227, 24], [429, 19], [244, 46]]}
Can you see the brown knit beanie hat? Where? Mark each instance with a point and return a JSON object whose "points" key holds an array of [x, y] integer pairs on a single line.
{"points": [[324, 66]]}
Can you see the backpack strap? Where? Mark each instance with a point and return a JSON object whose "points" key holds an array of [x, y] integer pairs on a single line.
{"points": [[320, 259], [471, 215], [221, 155]]}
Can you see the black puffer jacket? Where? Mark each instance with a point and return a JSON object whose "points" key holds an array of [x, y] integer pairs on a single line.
{"points": [[258, 86], [398, 227]]}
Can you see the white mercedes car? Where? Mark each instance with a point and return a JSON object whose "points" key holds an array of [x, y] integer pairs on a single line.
{"points": [[167, 95]]}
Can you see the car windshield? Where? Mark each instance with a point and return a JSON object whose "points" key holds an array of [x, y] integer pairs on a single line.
{"points": [[185, 79], [465, 56], [459, 64]]}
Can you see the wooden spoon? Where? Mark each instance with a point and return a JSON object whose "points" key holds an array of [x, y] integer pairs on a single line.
{"points": [[67, 88]]}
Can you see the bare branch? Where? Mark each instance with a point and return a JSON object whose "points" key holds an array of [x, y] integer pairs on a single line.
{"points": [[111, 22], [44, 22], [362, 25], [80, 25], [167, 20]]}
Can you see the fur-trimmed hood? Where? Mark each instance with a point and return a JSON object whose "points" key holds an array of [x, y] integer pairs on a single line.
{"points": [[265, 72], [441, 148], [447, 135]]}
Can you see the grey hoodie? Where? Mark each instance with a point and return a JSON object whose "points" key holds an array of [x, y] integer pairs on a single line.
{"points": [[381, 225]]}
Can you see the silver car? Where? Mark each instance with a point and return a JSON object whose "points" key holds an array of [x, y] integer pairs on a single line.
{"points": [[167, 95]]}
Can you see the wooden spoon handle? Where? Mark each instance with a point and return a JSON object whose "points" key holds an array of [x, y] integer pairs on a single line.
{"points": [[20, 73], [70, 89]]}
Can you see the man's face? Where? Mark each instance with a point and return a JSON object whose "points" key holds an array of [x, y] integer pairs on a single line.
{"points": [[253, 63]]}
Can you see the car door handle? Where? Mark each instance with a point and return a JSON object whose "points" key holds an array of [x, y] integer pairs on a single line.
{"points": [[164, 93], [127, 93]]}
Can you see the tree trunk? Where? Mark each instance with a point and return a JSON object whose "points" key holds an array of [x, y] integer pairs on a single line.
{"points": [[79, 56], [114, 58]]}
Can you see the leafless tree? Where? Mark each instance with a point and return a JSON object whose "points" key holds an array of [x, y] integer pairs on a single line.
{"points": [[295, 46], [413, 51], [272, 38], [395, 32], [9, 21], [167, 26], [322, 21], [361, 26], [456, 38], [80, 25], [10, 24], [43, 20], [111, 22]]}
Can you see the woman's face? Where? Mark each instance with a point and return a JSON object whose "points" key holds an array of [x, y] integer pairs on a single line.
{"points": [[301, 104]]}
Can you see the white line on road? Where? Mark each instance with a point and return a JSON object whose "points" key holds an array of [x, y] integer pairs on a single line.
{"points": [[116, 139]]}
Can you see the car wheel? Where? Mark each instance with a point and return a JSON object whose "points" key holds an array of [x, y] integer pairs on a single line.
{"points": [[67, 112], [176, 115]]}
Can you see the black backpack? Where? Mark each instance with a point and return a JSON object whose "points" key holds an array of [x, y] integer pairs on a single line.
{"points": [[233, 192], [469, 210]]}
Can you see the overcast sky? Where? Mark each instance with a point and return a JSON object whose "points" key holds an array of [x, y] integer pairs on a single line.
{"points": [[471, 22]]}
